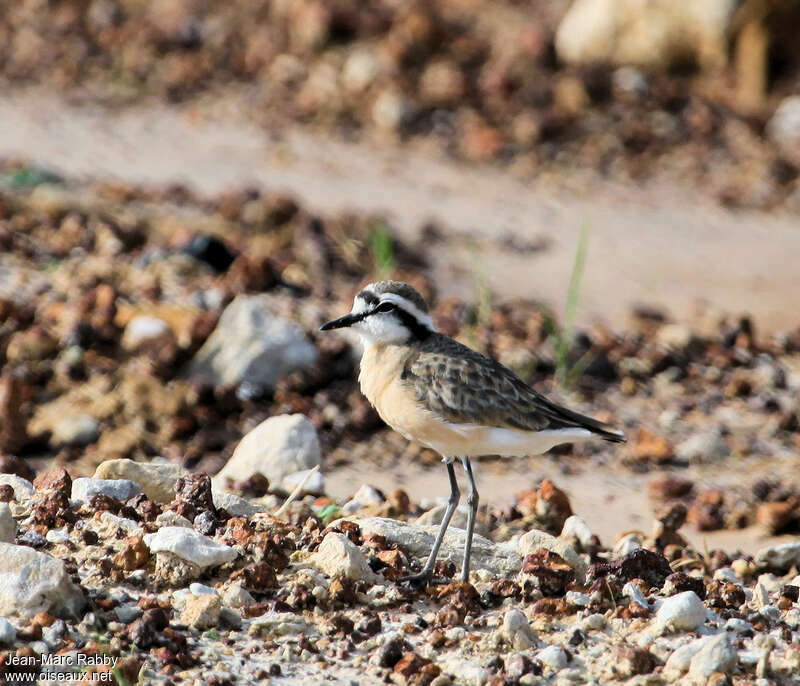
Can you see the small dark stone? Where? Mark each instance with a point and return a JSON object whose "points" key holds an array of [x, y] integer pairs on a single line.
{"points": [[650, 566], [680, 582], [6, 493], [391, 652], [211, 250]]}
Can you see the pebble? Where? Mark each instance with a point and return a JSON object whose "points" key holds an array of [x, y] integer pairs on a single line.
{"points": [[576, 529], [703, 447], [502, 559], [717, 654], [784, 125], [681, 612], [84, 488], [554, 657], [626, 545], [338, 556], [517, 630], [781, 556], [8, 632], [172, 518], [23, 489], [594, 622], [536, 540], [155, 479], [32, 582], [128, 612], [466, 672], [201, 611], [727, 574], [191, 546], [632, 591], [277, 447], [577, 598], [8, 525], [235, 505], [737, 625], [251, 344], [143, 329], [56, 536]]}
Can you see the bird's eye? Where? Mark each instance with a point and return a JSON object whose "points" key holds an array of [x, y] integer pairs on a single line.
{"points": [[385, 307]]}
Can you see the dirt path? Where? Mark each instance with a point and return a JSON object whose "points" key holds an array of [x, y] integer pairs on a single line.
{"points": [[660, 245]]}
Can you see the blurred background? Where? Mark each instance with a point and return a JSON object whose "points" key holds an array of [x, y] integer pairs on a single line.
{"points": [[602, 194]]}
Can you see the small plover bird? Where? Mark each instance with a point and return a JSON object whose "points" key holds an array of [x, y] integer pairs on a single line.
{"points": [[450, 398]]}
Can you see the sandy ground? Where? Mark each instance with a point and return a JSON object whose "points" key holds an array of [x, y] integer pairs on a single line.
{"points": [[656, 245]]}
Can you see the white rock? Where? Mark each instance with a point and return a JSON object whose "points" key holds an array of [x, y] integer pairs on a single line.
{"points": [[594, 622], [367, 495], [578, 599], [156, 479], [312, 482], [626, 545], [337, 556], [190, 545], [74, 429], [770, 582], [8, 632], [23, 489], [434, 516], [781, 556], [84, 488], [553, 656], [632, 591], [653, 33], [359, 70], [237, 596], [56, 536], [517, 630], [143, 329], [418, 540], [727, 574], [8, 525], [737, 625], [235, 505], [784, 126], [717, 654], [32, 582], [277, 447], [681, 612], [390, 109], [202, 589], [576, 529], [705, 446], [171, 518], [535, 540], [760, 596], [110, 524], [680, 659], [466, 672], [252, 345]]}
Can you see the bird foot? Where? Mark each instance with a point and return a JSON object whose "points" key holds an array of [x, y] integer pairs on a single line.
{"points": [[424, 579]]}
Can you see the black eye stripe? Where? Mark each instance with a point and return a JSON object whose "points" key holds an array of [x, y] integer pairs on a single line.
{"points": [[386, 306]]}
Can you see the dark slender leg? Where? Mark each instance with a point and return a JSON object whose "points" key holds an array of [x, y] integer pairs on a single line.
{"points": [[452, 503], [472, 501]]}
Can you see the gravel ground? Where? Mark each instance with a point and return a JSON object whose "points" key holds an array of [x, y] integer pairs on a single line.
{"points": [[136, 326]]}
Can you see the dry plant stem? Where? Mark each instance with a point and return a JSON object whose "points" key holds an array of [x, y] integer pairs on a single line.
{"points": [[296, 492]]}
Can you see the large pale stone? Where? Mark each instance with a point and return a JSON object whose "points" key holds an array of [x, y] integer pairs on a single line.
{"points": [[418, 540], [190, 545], [156, 479], [338, 556], [252, 345], [277, 447], [32, 582]]}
